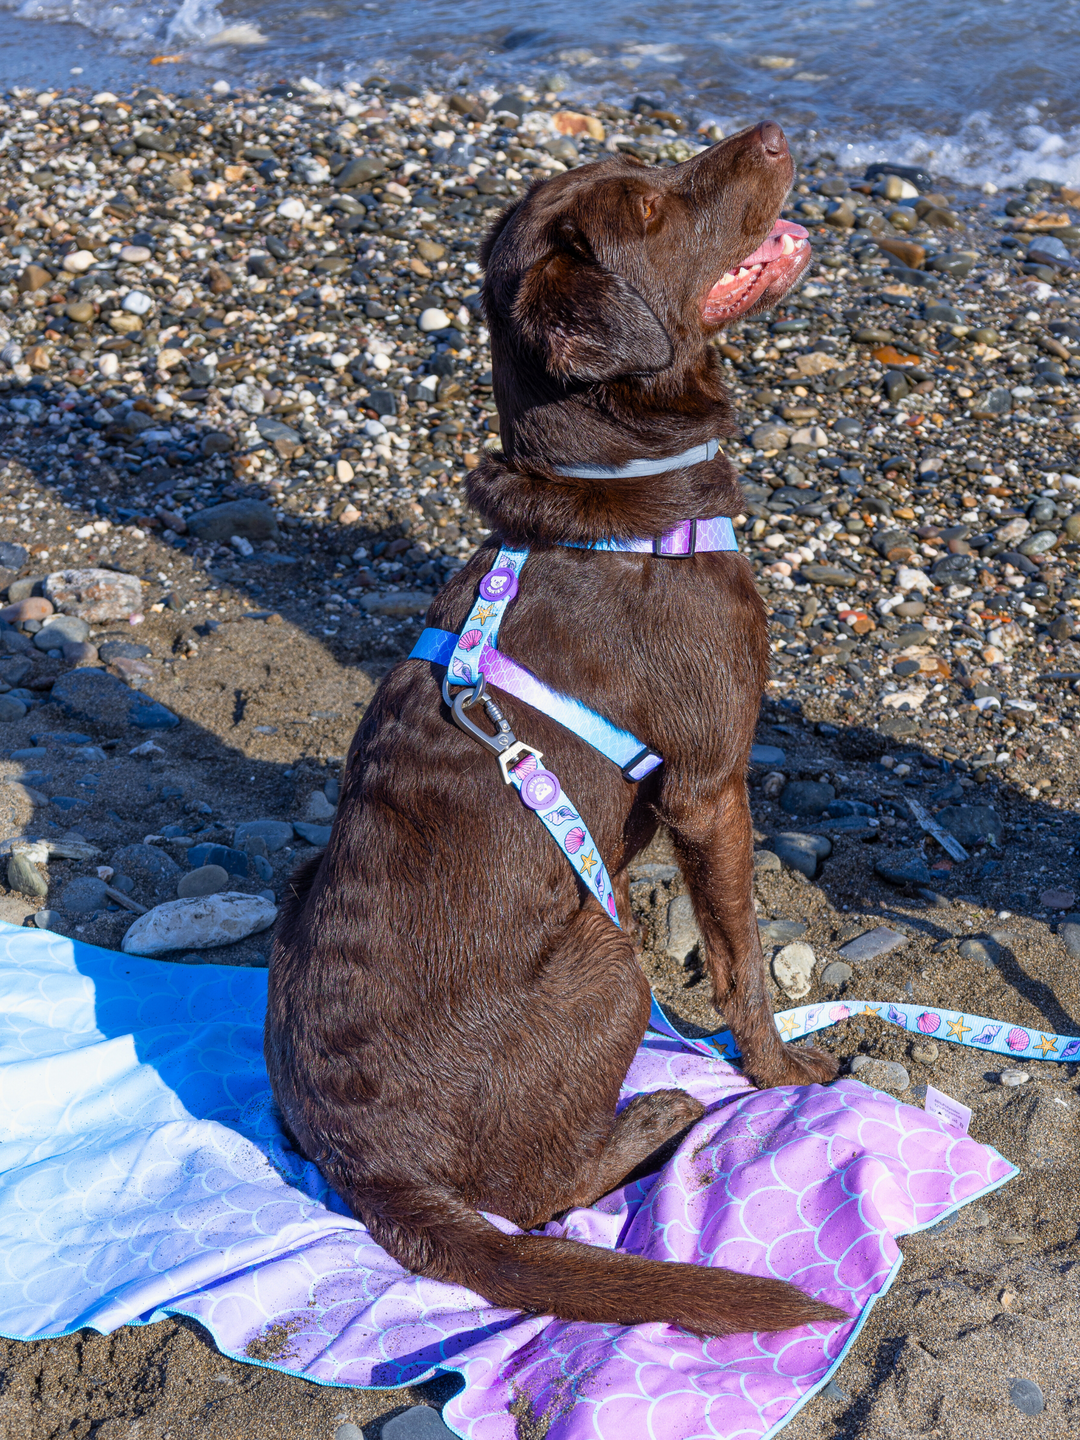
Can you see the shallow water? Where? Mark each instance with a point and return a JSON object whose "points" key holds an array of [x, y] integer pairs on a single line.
{"points": [[985, 91]]}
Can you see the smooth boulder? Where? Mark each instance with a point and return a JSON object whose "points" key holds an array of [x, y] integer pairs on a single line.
{"points": [[199, 923]]}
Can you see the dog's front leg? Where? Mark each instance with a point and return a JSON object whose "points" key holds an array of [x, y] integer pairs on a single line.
{"points": [[714, 841]]}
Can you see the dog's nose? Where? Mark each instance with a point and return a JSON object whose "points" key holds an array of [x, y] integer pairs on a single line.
{"points": [[773, 140]]}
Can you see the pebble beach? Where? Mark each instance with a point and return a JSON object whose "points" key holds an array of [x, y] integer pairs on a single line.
{"points": [[243, 375]]}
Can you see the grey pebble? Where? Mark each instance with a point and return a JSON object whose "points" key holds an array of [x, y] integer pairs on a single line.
{"points": [[24, 877], [770, 755], [887, 1075], [972, 824], [1070, 936], [348, 1431], [683, 935], [10, 708], [836, 974], [801, 852], [48, 920], [206, 880], [925, 1051], [276, 834], [60, 630], [262, 867], [313, 834], [1024, 1394], [266, 895], [873, 943], [419, 1423], [766, 860], [806, 797], [84, 895], [780, 932]]}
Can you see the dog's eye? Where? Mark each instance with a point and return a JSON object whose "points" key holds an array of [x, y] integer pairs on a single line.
{"points": [[648, 210]]}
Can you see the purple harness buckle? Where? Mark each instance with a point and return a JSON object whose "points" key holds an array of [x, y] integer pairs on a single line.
{"points": [[669, 543]]}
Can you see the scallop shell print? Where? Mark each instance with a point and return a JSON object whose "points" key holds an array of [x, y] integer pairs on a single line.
{"points": [[470, 639], [574, 840], [525, 766], [928, 1022], [1018, 1039]]}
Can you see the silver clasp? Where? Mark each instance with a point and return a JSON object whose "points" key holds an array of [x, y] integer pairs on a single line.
{"points": [[504, 744]]}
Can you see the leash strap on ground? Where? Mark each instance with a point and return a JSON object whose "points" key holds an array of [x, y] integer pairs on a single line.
{"points": [[1014, 1042]]}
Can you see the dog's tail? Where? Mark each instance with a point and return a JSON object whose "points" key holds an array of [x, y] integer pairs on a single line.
{"points": [[573, 1281]]}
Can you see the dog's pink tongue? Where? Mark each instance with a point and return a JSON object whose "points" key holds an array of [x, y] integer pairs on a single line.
{"points": [[773, 247]]}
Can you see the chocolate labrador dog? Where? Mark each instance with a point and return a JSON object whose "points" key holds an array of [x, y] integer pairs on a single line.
{"points": [[450, 1012]]}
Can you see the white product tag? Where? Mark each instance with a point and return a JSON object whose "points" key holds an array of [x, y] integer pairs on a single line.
{"points": [[944, 1107]]}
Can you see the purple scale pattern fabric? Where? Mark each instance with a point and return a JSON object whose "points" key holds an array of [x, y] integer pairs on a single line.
{"points": [[147, 1175]]}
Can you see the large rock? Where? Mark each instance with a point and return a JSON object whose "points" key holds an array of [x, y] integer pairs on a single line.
{"points": [[250, 519], [94, 595], [104, 699], [200, 923]]}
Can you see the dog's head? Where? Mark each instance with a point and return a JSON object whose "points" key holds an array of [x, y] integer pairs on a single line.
{"points": [[620, 270]]}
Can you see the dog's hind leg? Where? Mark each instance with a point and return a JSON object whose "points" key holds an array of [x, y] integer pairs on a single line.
{"points": [[714, 842]]}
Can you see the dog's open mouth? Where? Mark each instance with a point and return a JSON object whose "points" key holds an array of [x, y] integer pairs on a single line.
{"points": [[766, 274]]}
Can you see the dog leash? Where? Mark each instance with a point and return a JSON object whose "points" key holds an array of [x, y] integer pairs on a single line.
{"points": [[472, 659], [1015, 1042]]}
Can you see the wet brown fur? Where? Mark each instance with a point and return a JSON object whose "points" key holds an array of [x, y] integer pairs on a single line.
{"points": [[450, 1012]]}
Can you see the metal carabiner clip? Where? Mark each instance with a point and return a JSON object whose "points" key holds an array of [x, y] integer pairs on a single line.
{"points": [[504, 744]]}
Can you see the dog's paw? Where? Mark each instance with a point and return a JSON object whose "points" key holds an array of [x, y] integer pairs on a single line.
{"points": [[654, 1117], [793, 1065]]}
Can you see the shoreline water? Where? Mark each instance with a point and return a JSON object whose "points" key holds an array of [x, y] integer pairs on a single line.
{"points": [[204, 312]]}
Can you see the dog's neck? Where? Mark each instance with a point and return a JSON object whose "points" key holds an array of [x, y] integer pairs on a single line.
{"points": [[524, 493]]}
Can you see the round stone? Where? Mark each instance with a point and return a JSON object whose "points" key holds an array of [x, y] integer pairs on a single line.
{"points": [[499, 584], [136, 302], [1014, 1077], [61, 630], [78, 261], [48, 920], [134, 254], [433, 319], [1026, 1396], [540, 789], [24, 877], [84, 895], [925, 1052], [11, 708], [792, 968], [206, 880]]}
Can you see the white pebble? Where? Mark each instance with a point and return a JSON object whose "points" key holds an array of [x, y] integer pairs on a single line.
{"points": [[79, 261], [374, 427], [134, 254], [108, 365], [136, 302], [1014, 1077], [292, 209], [434, 320], [792, 968]]}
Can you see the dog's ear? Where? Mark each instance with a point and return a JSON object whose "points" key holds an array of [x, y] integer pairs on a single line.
{"points": [[588, 323]]}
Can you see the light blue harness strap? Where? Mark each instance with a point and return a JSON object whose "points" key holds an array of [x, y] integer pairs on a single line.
{"points": [[633, 758]]}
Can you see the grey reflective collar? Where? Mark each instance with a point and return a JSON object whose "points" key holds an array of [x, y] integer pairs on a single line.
{"points": [[633, 468]]}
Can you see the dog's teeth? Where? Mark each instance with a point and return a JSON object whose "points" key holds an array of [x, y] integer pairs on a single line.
{"points": [[787, 245], [742, 273], [728, 279]]}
